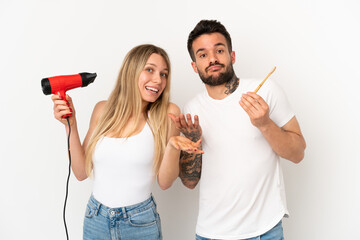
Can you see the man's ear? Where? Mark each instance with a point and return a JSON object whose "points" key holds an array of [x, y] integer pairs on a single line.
{"points": [[193, 64], [232, 57]]}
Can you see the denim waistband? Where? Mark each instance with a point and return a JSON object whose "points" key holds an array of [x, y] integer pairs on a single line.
{"points": [[122, 211]]}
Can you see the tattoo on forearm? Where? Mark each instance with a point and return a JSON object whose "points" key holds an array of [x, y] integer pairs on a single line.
{"points": [[190, 168], [193, 135], [232, 85]]}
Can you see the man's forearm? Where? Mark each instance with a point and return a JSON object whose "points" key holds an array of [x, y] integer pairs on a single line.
{"points": [[190, 163], [190, 169], [287, 144]]}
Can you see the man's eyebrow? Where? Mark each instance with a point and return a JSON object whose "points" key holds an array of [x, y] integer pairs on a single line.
{"points": [[199, 50], [220, 44], [217, 44]]}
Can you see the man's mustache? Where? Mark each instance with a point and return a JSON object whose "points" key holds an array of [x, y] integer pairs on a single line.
{"points": [[215, 64]]}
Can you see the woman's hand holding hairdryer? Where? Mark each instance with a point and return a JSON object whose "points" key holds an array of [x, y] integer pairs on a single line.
{"points": [[61, 108]]}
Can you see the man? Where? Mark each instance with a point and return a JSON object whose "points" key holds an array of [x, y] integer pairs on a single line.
{"points": [[243, 135]]}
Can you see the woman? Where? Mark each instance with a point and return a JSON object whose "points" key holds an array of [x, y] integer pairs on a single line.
{"points": [[130, 140]]}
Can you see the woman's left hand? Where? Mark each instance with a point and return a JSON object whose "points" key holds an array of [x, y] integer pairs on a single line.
{"points": [[184, 144]]}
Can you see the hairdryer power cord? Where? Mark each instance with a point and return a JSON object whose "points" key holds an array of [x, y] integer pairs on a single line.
{"points": [[68, 177]]}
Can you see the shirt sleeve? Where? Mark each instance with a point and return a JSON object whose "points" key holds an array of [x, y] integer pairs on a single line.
{"points": [[280, 110]]}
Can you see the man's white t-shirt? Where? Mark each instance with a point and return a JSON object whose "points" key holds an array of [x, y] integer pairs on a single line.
{"points": [[241, 187]]}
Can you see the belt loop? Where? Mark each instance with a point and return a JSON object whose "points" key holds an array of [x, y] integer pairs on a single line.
{"points": [[97, 208], [124, 212]]}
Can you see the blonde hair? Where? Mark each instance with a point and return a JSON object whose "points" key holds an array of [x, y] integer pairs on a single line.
{"points": [[125, 101]]}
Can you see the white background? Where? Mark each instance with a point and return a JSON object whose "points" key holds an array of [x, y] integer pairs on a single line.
{"points": [[313, 43]]}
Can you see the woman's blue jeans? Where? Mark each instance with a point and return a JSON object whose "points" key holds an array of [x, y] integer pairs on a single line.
{"points": [[140, 221]]}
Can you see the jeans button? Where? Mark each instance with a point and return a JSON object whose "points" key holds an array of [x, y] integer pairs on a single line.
{"points": [[112, 212]]}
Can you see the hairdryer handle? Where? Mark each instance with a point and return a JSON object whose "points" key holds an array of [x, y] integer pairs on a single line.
{"points": [[62, 95]]}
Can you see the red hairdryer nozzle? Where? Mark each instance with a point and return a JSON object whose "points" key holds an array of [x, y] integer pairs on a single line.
{"points": [[60, 84]]}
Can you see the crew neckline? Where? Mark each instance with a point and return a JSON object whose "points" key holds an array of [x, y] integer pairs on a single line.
{"points": [[227, 98]]}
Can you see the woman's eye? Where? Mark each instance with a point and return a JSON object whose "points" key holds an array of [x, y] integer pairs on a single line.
{"points": [[163, 74], [149, 70]]}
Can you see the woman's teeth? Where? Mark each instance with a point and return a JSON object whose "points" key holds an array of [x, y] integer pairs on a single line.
{"points": [[152, 89]]}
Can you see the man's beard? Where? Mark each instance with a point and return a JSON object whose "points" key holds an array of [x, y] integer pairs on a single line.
{"points": [[224, 77]]}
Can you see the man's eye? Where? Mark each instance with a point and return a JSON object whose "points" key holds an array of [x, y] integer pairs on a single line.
{"points": [[202, 55], [220, 51]]}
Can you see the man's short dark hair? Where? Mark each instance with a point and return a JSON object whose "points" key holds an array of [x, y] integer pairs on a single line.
{"points": [[207, 27]]}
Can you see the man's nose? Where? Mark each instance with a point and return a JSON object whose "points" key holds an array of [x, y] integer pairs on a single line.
{"points": [[213, 59]]}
